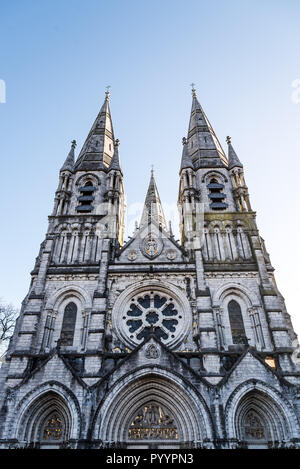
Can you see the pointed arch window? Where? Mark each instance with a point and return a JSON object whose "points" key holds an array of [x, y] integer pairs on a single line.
{"points": [[236, 323], [68, 325]]}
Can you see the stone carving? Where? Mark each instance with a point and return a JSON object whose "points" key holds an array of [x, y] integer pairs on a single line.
{"points": [[254, 429], [151, 352], [153, 422], [171, 254], [54, 429], [131, 256], [151, 246]]}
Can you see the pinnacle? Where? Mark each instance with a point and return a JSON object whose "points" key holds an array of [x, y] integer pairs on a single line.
{"points": [[233, 159], [115, 162], [69, 163], [186, 161]]}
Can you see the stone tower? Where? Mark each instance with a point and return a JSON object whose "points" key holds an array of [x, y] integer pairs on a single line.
{"points": [[152, 343]]}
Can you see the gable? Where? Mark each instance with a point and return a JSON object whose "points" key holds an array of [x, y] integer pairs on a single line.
{"points": [[154, 246], [250, 367]]}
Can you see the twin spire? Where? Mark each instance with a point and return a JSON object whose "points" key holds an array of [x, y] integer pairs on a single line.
{"points": [[202, 145], [202, 148], [100, 150]]}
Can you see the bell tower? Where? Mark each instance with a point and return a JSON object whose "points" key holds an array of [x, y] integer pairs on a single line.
{"points": [[232, 251]]}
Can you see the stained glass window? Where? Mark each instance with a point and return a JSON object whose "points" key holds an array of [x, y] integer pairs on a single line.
{"points": [[68, 325], [236, 323], [152, 312]]}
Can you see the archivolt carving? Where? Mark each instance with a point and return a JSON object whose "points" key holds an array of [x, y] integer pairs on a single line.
{"points": [[216, 174], [61, 294], [43, 401], [88, 177], [279, 420], [235, 289], [144, 404]]}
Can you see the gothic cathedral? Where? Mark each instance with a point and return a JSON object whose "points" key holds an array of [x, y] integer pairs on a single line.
{"points": [[155, 342]]}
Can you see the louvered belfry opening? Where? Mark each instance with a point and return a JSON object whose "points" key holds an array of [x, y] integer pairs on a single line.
{"points": [[86, 197], [216, 195]]}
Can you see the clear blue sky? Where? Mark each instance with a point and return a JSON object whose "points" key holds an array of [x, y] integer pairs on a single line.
{"points": [[57, 57]]}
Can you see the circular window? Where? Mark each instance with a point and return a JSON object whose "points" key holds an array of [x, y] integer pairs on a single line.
{"points": [[152, 312], [155, 310]]}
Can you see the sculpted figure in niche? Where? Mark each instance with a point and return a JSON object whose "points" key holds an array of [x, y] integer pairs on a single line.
{"points": [[151, 247]]}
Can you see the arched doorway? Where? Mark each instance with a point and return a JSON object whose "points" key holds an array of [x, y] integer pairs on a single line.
{"points": [[46, 423], [259, 418], [153, 411]]}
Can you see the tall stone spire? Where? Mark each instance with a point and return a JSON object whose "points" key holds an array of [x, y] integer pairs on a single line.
{"points": [[69, 163], [233, 159], [98, 149], [153, 211], [203, 145]]}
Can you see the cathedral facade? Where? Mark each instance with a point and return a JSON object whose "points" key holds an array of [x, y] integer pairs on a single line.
{"points": [[152, 343]]}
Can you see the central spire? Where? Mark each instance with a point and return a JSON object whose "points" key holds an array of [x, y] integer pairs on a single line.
{"points": [[153, 211], [98, 149], [204, 147]]}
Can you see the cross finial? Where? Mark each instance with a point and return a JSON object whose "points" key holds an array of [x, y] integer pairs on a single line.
{"points": [[107, 92], [193, 89]]}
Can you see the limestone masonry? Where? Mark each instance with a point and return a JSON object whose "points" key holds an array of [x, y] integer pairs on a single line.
{"points": [[152, 343]]}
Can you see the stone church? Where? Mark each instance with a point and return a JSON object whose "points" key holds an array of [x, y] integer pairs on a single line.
{"points": [[153, 342]]}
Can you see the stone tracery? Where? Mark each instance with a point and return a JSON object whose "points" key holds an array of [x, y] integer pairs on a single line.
{"points": [[151, 307], [152, 312]]}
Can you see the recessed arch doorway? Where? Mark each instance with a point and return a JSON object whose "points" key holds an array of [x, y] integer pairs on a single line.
{"points": [[153, 411]]}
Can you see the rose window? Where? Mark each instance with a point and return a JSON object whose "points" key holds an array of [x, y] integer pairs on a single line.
{"points": [[152, 312]]}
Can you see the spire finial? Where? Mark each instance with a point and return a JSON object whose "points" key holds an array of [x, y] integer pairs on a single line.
{"points": [[74, 144], [193, 90], [117, 142], [183, 141], [228, 139], [152, 170], [107, 92]]}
